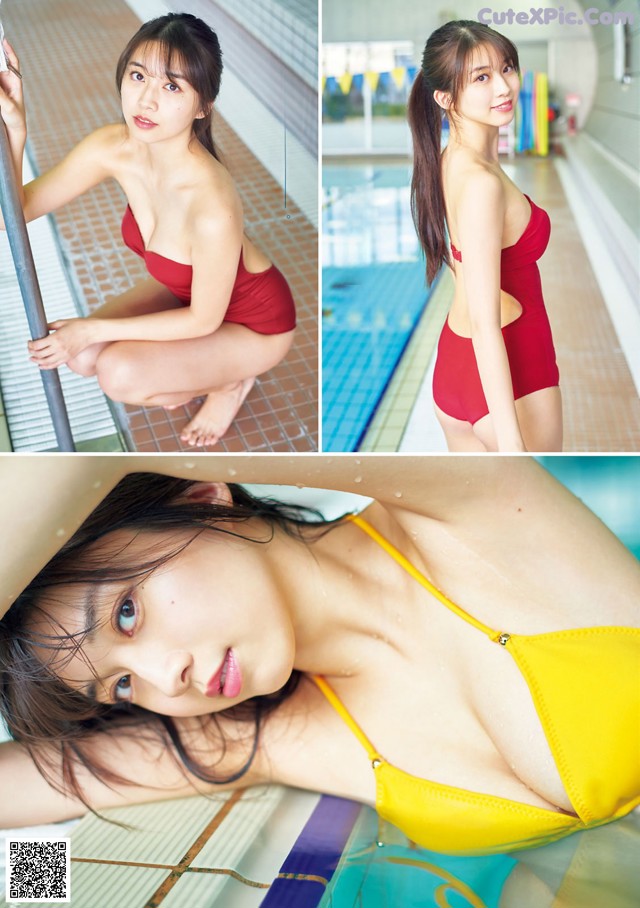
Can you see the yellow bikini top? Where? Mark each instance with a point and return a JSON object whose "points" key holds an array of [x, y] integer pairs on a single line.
{"points": [[585, 685]]}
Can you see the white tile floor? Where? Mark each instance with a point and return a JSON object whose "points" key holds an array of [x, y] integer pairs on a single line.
{"points": [[423, 432], [597, 234]]}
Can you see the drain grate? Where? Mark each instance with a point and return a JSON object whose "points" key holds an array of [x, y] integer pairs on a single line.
{"points": [[23, 395]]}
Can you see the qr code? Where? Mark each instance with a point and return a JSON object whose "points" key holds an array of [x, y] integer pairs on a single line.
{"points": [[37, 870]]}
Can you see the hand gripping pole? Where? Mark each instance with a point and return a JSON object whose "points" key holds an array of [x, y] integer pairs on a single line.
{"points": [[29, 288]]}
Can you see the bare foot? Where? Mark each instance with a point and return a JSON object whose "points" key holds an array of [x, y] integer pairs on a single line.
{"points": [[216, 414]]}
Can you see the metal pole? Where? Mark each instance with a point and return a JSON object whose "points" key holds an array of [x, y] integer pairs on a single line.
{"points": [[29, 288]]}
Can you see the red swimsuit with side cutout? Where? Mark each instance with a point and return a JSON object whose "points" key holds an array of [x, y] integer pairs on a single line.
{"points": [[261, 301], [457, 389]]}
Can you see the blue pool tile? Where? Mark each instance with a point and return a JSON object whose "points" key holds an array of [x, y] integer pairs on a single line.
{"points": [[370, 313], [374, 292]]}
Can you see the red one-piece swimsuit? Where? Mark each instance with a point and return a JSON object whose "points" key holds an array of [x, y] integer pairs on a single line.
{"points": [[457, 389], [262, 301]]}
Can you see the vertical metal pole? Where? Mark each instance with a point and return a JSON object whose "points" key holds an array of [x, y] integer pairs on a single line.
{"points": [[30, 289]]}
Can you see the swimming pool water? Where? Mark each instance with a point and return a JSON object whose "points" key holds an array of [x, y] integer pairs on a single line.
{"points": [[374, 292], [591, 869], [609, 486]]}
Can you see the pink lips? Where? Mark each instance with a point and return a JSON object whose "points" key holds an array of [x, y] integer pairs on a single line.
{"points": [[505, 108], [141, 123], [227, 681]]}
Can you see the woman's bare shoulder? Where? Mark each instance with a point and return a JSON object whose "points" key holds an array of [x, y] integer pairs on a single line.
{"points": [[107, 139], [471, 184], [470, 177], [462, 164], [105, 148], [215, 207]]}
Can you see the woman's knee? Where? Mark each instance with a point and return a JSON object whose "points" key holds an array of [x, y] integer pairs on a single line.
{"points": [[118, 375], [84, 363]]}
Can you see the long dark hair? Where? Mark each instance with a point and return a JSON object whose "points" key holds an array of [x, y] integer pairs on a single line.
{"points": [[189, 38], [444, 68], [42, 713]]}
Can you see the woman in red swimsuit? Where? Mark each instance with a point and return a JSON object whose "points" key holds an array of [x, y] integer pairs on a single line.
{"points": [[495, 383], [214, 312]]}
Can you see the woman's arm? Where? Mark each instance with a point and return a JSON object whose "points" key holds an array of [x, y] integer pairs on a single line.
{"points": [[13, 115], [161, 778], [44, 501], [480, 217], [215, 255], [34, 800], [85, 166], [45, 498], [444, 488]]}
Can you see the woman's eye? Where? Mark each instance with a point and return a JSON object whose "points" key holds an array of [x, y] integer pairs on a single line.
{"points": [[122, 688], [126, 616], [136, 76], [173, 88]]}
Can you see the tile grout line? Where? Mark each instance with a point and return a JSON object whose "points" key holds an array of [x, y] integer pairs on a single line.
{"points": [[176, 874]]}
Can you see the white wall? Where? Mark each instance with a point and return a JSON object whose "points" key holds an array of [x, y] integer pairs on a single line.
{"points": [[614, 119], [572, 52]]}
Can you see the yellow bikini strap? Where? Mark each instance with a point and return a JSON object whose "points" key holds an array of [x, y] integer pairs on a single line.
{"points": [[340, 708], [422, 580]]}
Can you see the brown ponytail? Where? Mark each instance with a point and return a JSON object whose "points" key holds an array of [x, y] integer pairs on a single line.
{"points": [[427, 195], [444, 68]]}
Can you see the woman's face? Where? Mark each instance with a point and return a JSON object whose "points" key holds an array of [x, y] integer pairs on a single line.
{"points": [[491, 91], [199, 634], [155, 105]]}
